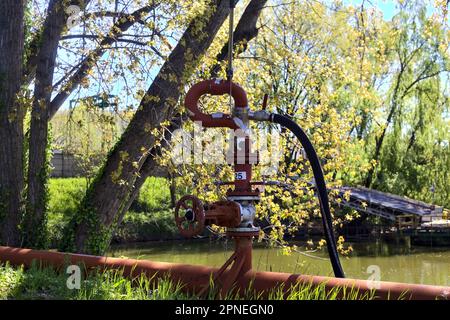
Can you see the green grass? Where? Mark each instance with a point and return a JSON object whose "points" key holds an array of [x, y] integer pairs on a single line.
{"points": [[154, 195], [46, 283], [65, 195], [149, 218]]}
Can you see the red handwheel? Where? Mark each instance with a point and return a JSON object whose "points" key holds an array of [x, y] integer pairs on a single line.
{"points": [[191, 220]]}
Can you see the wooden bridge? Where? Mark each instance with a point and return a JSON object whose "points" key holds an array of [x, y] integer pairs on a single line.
{"points": [[386, 205]]}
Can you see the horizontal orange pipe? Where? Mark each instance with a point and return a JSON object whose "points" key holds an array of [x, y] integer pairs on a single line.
{"points": [[195, 277]]}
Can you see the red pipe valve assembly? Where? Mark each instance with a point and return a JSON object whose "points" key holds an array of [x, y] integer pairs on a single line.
{"points": [[237, 212]]}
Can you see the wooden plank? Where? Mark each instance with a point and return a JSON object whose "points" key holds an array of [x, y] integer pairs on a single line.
{"points": [[390, 201]]}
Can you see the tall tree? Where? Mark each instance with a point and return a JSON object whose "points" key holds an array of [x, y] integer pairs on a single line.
{"points": [[11, 119], [34, 228], [418, 60]]}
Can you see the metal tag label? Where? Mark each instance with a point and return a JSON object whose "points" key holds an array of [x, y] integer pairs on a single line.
{"points": [[240, 175]]}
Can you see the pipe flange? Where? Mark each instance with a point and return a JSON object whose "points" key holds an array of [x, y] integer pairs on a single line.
{"points": [[243, 198], [243, 232]]}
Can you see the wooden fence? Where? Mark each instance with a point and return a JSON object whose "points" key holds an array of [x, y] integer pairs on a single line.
{"points": [[64, 165]]}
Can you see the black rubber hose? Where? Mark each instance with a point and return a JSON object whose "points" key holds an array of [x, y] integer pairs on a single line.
{"points": [[321, 189]]}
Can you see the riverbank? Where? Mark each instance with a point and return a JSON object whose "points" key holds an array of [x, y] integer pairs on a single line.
{"points": [[149, 218], [48, 284]]}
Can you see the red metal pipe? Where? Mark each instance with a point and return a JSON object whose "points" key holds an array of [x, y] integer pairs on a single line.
{"points": [[214, 87], [196, 277]]}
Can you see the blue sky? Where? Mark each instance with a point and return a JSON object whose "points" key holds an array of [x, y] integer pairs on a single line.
{"points": [[387, 7]]}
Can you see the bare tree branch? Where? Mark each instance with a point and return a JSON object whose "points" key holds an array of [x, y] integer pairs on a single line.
{"points": [[29, 70], [116, 30]]}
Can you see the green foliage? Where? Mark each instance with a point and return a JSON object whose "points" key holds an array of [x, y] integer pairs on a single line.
{"points": [[97, 235], [150, 217], [64, 199], [410, 146], [146, 226], [305, 291], [46, 283], [154, 195], [88, 133]]}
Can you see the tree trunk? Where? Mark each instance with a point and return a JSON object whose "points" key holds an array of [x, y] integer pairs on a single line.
{"points": [[378, 145], [149, 166], [173, 191], [246, 30], [379, 141], [34, 223], [11, 120], [110, 192]]}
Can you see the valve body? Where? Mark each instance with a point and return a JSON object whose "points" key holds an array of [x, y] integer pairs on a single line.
{"points": [[237, 213]]}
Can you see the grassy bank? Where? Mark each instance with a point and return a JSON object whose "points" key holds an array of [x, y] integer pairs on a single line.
{"points": [[45, 283], [149, 218]]}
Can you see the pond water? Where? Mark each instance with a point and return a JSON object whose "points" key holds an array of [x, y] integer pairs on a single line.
{"points": [[398, 262]]}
